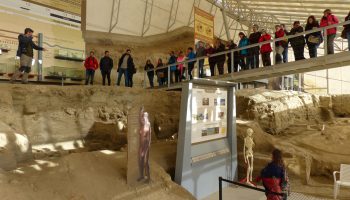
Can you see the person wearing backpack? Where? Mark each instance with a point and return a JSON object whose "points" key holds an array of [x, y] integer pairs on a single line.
{"points": [[90, 65], [275, 178], [327, 20]]}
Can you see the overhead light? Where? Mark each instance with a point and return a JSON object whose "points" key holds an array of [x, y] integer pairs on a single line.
{"points": [[33, 61], [40, 62], [0, 51]]}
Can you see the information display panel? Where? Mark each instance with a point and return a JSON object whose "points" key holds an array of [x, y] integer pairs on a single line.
{"points": [[209, 114]]}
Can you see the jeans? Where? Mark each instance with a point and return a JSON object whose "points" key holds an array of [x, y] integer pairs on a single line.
{"points": [[106, 74], [126, 77], [150, 78], [348, 36], [330, 43], [89, 76], [285, 55], [253, 58], [312, 50], [201, 68]]}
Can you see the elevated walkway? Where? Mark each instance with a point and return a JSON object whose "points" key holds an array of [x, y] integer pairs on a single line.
{"points": [[261, 74]]}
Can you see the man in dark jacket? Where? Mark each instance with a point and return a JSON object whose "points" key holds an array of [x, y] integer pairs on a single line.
{"points": [[220, 59], [126, 66], [231, 46], [253, 53], [25, 52], [298, 43], [106, 65]]}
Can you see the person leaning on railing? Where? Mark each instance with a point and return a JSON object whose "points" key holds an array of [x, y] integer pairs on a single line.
{"points": [[244, 52], [327, 20], [208, 51], [253, 58], [280, 45], [265, 48], [347, 30], [298, 43], [150, 74], [220, 59], [231, 45], [313, 40], [160, 72]]}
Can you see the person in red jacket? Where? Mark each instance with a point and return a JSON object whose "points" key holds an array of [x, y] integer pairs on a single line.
{"points": [[90, 65], [280, 44], [327, 20], [265, 49]]}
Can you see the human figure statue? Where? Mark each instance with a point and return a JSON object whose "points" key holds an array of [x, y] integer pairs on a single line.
{"points": [[248, 155], [145, 143]]}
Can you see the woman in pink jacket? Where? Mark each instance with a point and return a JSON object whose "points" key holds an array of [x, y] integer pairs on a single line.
{"points": [[180, 67], [327, 20]]}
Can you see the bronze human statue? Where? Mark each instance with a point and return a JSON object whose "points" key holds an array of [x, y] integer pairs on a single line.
{"points": [[145, 143]]}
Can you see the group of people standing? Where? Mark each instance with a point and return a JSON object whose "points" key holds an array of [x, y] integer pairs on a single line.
{"points": [[126, 67], [249, 58]]}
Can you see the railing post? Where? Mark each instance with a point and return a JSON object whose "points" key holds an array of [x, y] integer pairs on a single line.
{"points": [[325, 42], [273, 53], [144, 79], [232, 60], [169, 77], [198, 68], [299, 83], [220, 188]]}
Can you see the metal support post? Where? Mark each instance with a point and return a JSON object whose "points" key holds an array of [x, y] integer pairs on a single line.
{"points": [[327, 77], [144, 80], [325, 42], [227, 29], [40, 57], [220, 188], [273, 53], [169, 77], [199, 70], [299, 83], [232, 61]]}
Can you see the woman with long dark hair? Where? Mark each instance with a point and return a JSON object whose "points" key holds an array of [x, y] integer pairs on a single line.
{"points": [[274, 177], [313, 40], [150, 74]]}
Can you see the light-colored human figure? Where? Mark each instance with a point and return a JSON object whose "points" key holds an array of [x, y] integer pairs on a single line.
{"points": [[145, 143], [249, 155]]}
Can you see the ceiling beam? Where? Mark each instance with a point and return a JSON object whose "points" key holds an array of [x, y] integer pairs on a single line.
{"points": [[325, 2]]}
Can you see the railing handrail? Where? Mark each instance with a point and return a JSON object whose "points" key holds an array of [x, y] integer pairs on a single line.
{"points": [[253, 45]]}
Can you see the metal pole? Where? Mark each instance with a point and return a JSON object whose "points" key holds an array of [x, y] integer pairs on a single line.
{"points": [[227, 29], [325, 42], [299, 83], [144, 79], [274, 53], [198, 69], [232, 61], [169, 76], [327, 77], [220, 188], [40, 57]]}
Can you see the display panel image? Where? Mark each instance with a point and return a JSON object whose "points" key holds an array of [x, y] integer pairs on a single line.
{"points": [[209, 112]]}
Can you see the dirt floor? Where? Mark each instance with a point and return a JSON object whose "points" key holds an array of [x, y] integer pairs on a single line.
{"points": [[93, 119]]}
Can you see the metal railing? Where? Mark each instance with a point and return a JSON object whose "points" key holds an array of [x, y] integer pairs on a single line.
{"points": [[232, 52], [244, 186]]}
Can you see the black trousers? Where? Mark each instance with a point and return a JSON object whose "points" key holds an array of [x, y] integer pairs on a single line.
{"points": [[298, 52], [190, 69], [106, 74], [220, 65], [266, 59], [235, 65], [212, 68]]}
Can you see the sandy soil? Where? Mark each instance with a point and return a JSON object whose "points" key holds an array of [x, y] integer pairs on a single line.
{"points": [[84, 176]]}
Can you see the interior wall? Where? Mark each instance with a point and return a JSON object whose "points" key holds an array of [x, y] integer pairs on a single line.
{"points": [[56, 37]]}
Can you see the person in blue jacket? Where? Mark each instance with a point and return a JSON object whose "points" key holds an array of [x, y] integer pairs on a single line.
{"points": [[190, 55], [244, 41]]}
